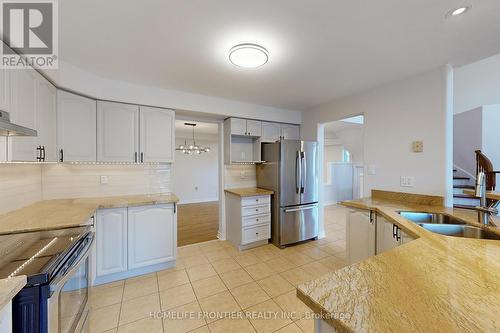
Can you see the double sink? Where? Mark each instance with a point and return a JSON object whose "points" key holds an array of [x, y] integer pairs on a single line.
{"points": [[448, 225]]}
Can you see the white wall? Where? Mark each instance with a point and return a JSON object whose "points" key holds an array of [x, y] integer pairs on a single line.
{"points": [[491, 134], [395, 115], [75, 79], [195, 177], [467, 138], [477, 84], [332, 153]]}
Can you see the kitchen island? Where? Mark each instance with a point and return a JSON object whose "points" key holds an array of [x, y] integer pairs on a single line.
{"points": [[435, 283]]}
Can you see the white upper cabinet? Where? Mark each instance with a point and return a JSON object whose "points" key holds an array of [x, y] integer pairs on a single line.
{"points": [[76, 127], [238, 126], [271, 132], [290, 132], [46, 108], [254, 128], [152, 235], [117, 132], [5, 89], [156, 134], [23, 112]]}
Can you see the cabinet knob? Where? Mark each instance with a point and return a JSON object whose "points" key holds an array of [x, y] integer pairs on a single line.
{"points": [[256, 209], [257, 220]]}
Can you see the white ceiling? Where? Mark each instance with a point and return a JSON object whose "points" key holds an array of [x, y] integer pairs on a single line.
{"points": [[319, 49]]}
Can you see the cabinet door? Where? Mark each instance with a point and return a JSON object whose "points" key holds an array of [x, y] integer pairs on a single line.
{"points": [[238, 126], [385, 235], [405, 238], [111, 241], [290, 132], [152, 237], [23, 112], [157, 136], [360, 236], [76, 127], [271, 132], [117, 132], [46, 104], [254, 128], [5, 89]]}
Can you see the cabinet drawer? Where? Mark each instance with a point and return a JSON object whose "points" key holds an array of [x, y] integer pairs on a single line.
{"points": [[258, 200], [256, 210], [256, 233], [257, 219]]}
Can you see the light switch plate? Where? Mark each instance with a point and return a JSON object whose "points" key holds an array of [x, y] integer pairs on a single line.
{"points": [[407, 181], [104, 180]]}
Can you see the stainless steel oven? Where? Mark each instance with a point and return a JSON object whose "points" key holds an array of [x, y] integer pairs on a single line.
{"points": [[69, 290], [56, 263]]}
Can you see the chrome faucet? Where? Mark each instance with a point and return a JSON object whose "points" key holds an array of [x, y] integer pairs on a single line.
{"points": [[484, 211]]}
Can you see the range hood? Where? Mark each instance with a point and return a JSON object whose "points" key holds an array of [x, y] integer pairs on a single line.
{"points": [[9, 129]]}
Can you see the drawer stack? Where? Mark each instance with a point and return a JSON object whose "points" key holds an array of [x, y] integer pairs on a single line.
{"points": [[256, 218], [248, 219]]}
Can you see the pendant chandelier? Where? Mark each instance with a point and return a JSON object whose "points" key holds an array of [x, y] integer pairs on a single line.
{"points": [[192, 148]]}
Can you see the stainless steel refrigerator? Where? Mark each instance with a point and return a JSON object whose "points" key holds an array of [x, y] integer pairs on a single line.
{"points": [[291, 171]]}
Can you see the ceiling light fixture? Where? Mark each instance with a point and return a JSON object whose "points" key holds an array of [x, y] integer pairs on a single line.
{"points": [[192, 148], [458, 11], [248, 55]]}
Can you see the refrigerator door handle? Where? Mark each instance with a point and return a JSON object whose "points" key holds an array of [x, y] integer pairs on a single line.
{"points": [[303, 171], [296, 209], [298, 173]]}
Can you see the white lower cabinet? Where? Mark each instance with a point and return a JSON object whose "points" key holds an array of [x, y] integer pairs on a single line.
{"points": [[134, 241], [369, 234], [248, 220], [111, 241], [151, 235], [388, 235], [360, 235], [6, 318]]}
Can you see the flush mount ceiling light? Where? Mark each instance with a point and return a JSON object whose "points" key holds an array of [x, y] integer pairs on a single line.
{"points": [[192, 148], [248, 55], [458, 11]]}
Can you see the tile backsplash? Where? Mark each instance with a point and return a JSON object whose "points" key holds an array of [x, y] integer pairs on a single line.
{"points": [[84, 180], [240, 176], [20, 185]]}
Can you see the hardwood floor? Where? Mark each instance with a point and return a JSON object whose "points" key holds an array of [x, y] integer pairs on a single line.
{"points": [[198, 222]]}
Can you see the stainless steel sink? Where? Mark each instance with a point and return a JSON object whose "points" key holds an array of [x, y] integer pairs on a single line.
{"points": [[432, 218], [448, 225]]}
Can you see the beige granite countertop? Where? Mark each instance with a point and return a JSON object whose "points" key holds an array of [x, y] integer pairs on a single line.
{"points": [[65, 213], [9, 288], [248, 192], [432, 284]]}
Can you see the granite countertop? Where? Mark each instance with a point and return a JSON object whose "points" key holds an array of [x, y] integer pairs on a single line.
{"points": [[435, 283], [248, 192], [490, 194], [65, 213], [9, 288]]}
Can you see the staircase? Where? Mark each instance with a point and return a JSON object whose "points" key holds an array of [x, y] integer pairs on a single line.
{"points": [[460, 183]]}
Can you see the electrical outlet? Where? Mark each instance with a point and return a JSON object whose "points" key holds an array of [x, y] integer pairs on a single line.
{"points": [[104, 180], [407, 181]]}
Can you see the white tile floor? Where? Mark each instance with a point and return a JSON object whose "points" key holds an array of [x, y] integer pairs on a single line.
{"points": [[215, 278]]}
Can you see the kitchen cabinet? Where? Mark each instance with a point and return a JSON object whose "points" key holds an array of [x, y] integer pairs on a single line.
{"points": [[134, 241], [46, 110], [111, 241], [157, 134], [360, 243], [23, 112], [245, 127], [4, 106], [152, 235], [76, 127], [290, 132], [248, 220], [272, 132], [388, 235], [117, 132]]}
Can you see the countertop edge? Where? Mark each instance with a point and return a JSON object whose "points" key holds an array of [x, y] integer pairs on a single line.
{"points": [[248, 191], [12, 286]]}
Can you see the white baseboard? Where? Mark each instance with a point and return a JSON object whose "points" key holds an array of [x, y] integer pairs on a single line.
{"points": [[132, 273]]}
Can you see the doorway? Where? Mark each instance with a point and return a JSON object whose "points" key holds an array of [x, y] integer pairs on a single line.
{"points": [[196, 180]]}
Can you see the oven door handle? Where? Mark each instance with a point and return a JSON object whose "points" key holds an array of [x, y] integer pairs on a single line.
{"points": [[57, 284]]}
